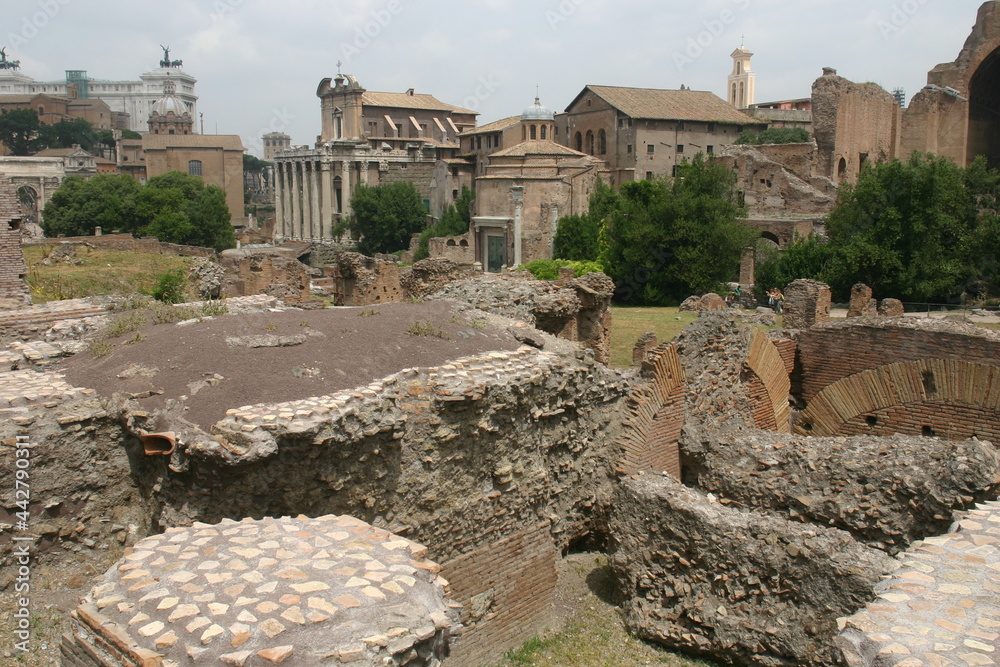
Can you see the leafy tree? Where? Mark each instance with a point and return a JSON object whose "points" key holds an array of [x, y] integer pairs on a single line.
{"points": [[255, 170], [175, 207], [386, 216], [131, 134], [578, 237], [668, 240], [454, 221], [79, 205], [179, 208], [19, 131], [802, 258], [910, 230], [66, 133], [774, 135]]}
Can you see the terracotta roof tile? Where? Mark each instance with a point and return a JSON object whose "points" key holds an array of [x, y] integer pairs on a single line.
{"points": [[655, 104], [407, 101], [495, 126], [538, 148]]}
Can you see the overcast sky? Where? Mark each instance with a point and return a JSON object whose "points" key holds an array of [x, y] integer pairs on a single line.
{"points": [[258, 62]]}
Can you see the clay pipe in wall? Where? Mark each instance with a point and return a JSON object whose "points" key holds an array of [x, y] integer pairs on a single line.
{"points": [[158, 444]]}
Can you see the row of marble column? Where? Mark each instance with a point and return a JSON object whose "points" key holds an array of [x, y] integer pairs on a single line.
{"points": [[307, 197]]}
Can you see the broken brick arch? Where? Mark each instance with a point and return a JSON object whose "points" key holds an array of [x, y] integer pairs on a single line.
{"points": [[949, 398]]}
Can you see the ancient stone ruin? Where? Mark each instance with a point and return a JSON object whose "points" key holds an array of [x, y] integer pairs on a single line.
{"points": [[13, 288], [738, 527]]}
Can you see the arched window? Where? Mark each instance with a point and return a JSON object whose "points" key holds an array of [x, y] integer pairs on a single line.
{"points": [[194, 167], [590, 142], [842, 169], [579, 142], [739, 68], [742, 96], [544, 128], [602, 143], [732, 97], [534, 132]]}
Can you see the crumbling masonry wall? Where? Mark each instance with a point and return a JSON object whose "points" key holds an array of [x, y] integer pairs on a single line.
{"points": [[879, 376], [13, 286], [469, 459]]}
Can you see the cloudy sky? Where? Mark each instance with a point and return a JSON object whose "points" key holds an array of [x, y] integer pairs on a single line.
{"points": [[258, 62]]}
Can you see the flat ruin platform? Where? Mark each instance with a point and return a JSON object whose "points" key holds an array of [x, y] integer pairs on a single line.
{"points": [[216, 364]]}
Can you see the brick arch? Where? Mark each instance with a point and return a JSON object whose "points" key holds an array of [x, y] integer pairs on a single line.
{"points": [[945, 397], [656, 416], [768, 384]]}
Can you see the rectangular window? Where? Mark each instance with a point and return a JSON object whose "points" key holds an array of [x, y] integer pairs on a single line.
{"points": [[651, 148], [649, 175], [711, 127], [680, 126], [194, 167], [711, 150], [629, 149], [680, 148]]}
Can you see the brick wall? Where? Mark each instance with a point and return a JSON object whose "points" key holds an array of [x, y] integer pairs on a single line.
{"points": [[769, 385], [891, 377], [12, 266], [655, 417], [508, 592]]}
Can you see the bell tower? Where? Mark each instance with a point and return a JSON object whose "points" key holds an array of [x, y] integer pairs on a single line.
{"points": [[742, 81]]}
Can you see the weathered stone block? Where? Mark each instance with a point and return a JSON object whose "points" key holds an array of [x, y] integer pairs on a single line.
{"points": [[862, 304], [807, 302]]}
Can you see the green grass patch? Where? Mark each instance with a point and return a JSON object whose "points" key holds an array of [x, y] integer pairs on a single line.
{"points": [[101, 272], [627, 324]]}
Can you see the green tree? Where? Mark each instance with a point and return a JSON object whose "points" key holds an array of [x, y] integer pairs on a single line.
{"points": [[255, 171], [802, 258], [79, 205], [179, 208], [911, 230], [66, 133], [669, 239], [454, 221], [386, 216], [578, 237], [19, 131], [175, 207]]}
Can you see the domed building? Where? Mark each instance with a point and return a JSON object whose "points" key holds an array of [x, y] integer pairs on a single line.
{"points": [[170, 115], [538, 122]]}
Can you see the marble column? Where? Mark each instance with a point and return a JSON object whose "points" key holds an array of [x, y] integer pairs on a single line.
{"points": [[296, 202], [517, 192], [317, 218], [279, 213], [346, 184], [286, 185], [326, 183]]}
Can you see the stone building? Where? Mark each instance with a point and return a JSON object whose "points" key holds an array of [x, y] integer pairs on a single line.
{"points": [[854, 123], [274, 142], [172, 145], [742, 84], [784, 113], [367, 138], [35, 179], [955, 115], [52, 109], [130, 102], [525, 189], [646, 133]]}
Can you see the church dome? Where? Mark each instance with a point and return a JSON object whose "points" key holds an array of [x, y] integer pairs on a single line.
{"points": [[169, 102], [537, 112]]}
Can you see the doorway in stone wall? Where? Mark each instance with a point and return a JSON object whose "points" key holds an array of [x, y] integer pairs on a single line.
{"points": [[496, 255], [27, 200]]}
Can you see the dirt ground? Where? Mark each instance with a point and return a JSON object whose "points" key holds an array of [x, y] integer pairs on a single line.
{"points": [[213, 366]]}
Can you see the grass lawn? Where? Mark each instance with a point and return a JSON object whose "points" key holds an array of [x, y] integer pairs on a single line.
{"points": [[102, 272], [627, 324]]}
